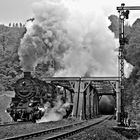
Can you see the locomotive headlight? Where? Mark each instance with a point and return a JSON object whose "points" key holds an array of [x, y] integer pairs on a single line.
{"points": [[11, 105], [30, 104], [23, 84]]}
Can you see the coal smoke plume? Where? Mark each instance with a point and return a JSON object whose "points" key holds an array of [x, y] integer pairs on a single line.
{"points": [[72, 34], [57, 112]]}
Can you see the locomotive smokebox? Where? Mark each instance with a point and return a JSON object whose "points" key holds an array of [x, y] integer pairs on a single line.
{"points": [[27, 74]]}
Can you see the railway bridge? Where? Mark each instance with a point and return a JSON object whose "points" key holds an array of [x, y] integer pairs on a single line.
{"points": [[88, 91]]}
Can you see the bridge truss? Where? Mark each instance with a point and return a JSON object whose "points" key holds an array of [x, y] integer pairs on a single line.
{"points": [[88, 92]]}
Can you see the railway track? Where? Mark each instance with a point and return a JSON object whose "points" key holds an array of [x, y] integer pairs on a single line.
{"points": [[12, 123], [16, 123], [62, 131]]}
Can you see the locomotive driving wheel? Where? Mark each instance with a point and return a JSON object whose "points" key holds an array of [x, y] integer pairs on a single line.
{"points": [[14, 118], [32, 117]]}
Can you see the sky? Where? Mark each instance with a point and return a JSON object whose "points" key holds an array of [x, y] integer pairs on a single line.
{"points": [[21, 10], [15, 10]]}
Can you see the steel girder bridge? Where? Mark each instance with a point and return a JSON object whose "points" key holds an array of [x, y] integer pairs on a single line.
{"points": [[87, 92]]}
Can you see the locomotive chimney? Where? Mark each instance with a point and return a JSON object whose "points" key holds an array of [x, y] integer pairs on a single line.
{"points": [[27, 74]]}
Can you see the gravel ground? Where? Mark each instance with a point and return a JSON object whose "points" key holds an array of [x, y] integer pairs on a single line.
{"points": [[99, 132], [14, 130]]}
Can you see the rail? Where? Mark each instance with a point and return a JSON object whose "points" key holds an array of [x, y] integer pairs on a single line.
{"points": [[75, 131], [61, 135], [13, 123]]}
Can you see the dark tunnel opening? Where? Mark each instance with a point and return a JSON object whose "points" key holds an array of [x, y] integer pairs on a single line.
{"points": [[107, 105]]}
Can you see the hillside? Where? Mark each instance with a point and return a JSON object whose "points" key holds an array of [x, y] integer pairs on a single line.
{"points": [[4, 102], [9, 60], [133, 57]]}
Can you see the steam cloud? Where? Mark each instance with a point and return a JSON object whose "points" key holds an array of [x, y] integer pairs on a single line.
{"points": [[56, 113], [72, 34]]}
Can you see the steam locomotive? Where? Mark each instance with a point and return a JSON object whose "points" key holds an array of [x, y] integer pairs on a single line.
{"points": [[31, 95]]}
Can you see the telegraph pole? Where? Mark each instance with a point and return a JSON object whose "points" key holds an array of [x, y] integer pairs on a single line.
{"points": [[123, 14]]}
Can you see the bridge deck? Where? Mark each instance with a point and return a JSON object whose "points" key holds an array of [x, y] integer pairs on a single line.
{"points": [[103, 85], [83, 78]]}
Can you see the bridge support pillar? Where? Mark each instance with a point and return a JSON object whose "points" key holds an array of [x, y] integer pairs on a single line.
{"points": [[76, 100], [95, 103], [88, 103]]}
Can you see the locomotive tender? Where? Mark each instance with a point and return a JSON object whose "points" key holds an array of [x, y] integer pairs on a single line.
{"points": [[31, 95]]}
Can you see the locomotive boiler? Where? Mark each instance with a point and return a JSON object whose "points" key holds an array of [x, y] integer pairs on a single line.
{"points": [[31, 95]]}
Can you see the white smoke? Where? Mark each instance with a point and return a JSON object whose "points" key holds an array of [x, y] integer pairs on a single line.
{"points": [[72, 33], [127, 69], [56, 113], [29, 25]]}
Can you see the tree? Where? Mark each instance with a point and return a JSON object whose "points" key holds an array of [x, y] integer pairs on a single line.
{"points": [[10, 67]]}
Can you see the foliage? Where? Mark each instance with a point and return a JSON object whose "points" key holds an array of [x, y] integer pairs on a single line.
{"points": [[114, 25], [133, 48], [9, 60], [132, 56]]}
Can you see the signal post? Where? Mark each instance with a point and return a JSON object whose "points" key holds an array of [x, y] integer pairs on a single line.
{"points": [[123, 14]]}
